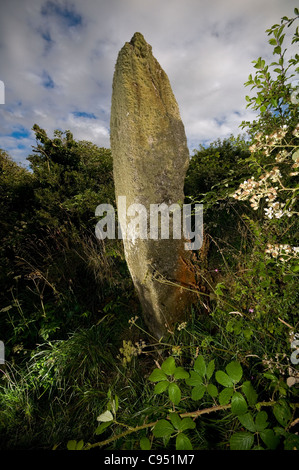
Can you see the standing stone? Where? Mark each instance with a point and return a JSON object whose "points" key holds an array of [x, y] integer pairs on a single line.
{"points": [[150, 159]]}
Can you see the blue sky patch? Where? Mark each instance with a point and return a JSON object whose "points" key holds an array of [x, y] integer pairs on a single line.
{"points": [[20, 133], [47, 81], [84, 115], [65, 12]]}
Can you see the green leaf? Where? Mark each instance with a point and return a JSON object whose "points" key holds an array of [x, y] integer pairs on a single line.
{"points": [[74, 445], [160, 387], [295, 268], [282, 413], [212, 390], [210, 369], [183, 442], [200, 366], [195, 379], [225, 396], [157, 375], [291, 442], [174, 393], [115, 403], [106, 416], [180, 373], [239, 405], [175, 420], [241, 441], [269, 438], [270, 376], [145, 443], [261, 421], [249, 393], [168, 366], [163, 428], [101, 427], [223, 379], [187, 423], [234, 371], [198, 392], [71, 445], [80, 445], [247, 421]]}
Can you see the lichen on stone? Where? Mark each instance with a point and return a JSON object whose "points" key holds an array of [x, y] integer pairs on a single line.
{"points": [[150, 160]]}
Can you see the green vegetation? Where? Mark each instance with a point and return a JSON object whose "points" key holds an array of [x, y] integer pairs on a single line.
{"points": [[81, 370]]}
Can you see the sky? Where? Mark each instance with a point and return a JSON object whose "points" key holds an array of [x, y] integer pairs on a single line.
{"points": [[57, 60]]}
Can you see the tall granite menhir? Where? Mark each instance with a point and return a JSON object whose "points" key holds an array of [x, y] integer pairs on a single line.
{"points": [[150, 159]]}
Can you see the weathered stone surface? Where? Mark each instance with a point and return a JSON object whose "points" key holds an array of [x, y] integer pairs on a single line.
{"points": [[150, 158]]}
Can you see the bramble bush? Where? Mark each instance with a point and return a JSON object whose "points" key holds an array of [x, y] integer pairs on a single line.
{"points": [[223, 390]]}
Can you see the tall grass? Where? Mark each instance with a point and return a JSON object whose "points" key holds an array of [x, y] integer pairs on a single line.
{"points": [[57, 393]]}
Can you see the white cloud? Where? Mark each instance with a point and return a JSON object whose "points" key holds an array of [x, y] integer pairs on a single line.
{"points": [[57, 58]]}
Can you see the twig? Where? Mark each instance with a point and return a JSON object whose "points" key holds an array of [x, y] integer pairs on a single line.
{"points": [[195, 414], [188, 414]]}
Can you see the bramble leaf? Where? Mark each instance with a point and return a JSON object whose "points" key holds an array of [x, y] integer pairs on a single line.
{"points": [[225, 396], [145, 443], [101, 427], [163, 428], [157, 375], [175, 420], [261, 421], [282, 413], [234, 370], [194, 380], [241, 441], [71, 445], [160, 387], [239, 405], [247, 421], [270, 439], [183, 442], [212, 390], [168, 366], [249, 393], [200, 366], [210, 369], [180, 373], [187, 423], [174, 393], [223, 379], [198, 392]]}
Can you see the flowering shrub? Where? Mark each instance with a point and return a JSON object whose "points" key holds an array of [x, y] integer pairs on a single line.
{"points": [[275, 144]]}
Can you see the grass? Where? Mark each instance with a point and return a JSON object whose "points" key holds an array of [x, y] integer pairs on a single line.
{"points": [[56, 393]]}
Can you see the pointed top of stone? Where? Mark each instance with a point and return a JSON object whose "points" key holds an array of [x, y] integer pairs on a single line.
{"points": [[141, 47], [138, 38]]}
